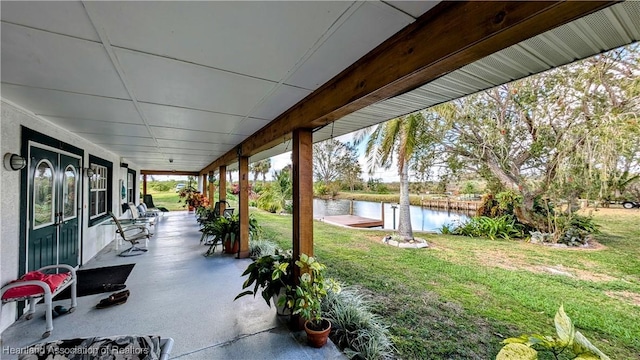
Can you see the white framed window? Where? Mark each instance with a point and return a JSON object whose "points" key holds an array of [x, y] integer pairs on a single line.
{"points": [[131, 183], [98, 191]]}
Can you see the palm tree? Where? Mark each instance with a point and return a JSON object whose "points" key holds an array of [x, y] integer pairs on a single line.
{"points": [[263, 167], [397, 139]]}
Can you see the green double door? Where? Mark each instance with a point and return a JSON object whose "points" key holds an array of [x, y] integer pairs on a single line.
{"points": [[53, 208]]}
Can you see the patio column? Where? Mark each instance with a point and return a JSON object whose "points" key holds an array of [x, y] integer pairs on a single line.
{"points": [[302, 193], [211, 189], [222, 188], [144, 185], [243, 206], [204, 184]]}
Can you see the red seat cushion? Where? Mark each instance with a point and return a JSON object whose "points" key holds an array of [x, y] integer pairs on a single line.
{"points": [[53, 280]]}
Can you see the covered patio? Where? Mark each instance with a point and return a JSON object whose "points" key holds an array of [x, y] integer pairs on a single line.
{"points": [[176, 292], [99, 93]]}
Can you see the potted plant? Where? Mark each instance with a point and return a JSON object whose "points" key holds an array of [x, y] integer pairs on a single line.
{"points": [[270, 277], [307, 299], [187, 195], [231, 246]]}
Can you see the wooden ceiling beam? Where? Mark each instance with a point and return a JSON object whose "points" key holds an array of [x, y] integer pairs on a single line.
{"points": [[169, 172], [446, 38]]}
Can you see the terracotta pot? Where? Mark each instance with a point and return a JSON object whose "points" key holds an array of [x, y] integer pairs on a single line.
{"points": [[191, 208], [317, 338], [231, 249]]}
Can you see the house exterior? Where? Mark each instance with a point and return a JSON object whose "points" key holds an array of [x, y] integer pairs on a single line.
{"points": [[126, 88]]}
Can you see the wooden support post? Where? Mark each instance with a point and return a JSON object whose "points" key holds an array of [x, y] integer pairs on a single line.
{"points": [[382, 212], [144, 185], [204, 184], [212, 190], [222, 188], [243, 206], [302, 194]]}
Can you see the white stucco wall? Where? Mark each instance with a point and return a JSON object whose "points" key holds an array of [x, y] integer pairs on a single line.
{"points": [[94, 238]]}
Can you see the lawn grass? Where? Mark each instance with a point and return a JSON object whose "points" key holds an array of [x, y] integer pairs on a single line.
{"points": [[170, 199], [461, 297]]}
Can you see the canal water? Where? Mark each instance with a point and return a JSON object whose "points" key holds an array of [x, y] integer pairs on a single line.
{"points": [[422, 219]]}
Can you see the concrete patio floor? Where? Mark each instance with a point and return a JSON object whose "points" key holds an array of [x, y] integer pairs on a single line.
{"points": [[177, 292]]}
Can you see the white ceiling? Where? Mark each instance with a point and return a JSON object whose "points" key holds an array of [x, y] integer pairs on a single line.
{"points": [[152, 81], [189, 81]]}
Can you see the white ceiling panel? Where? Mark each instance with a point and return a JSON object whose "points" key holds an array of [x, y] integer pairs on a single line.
{"points": [[260, 38], [71, 105], [103, 128], [133, 141], [370, 24], [248, 126], [414, 8], [192, 135], [130, 149], [46, 60], [62, 17], [183, 118], [162, 81], [174, 144], [279, 101]]}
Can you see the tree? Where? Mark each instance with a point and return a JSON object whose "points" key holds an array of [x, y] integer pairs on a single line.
{"points": [[275, 195], [261, 167], [549, 134], [332, 158], [349, 167], [395, 140]]}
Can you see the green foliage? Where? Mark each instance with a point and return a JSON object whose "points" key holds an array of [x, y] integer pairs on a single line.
{"points": [[311, 290], [268, 274], [504, 227], [573, 229], [262, 247], [274, 196], [377, 186], [161, 186], [321, 189], [447, 229], [469, 188], [355, 328], [568, 340]]}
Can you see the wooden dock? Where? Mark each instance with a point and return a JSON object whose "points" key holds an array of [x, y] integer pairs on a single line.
{"points": [[354, 221]]}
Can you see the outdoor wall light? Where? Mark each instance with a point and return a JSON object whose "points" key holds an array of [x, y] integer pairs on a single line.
{"points": [[211, 178], [89, 172], [14, 162]]}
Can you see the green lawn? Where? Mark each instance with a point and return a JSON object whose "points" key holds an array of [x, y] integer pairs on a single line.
{"points": [[461, 297], [169, 199]]}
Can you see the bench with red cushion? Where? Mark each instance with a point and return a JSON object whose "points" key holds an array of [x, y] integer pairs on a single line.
{"points": [[38, 284], [53, 280]]}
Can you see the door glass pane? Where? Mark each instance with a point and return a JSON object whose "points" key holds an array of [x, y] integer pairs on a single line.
{"points": [[43, 195], [69, 192]]}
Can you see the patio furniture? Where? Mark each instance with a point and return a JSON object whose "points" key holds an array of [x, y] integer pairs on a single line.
{"points": [[111, 347], [146, 212], [132, 235], [148, 200], [37, 284], [142, 216]]}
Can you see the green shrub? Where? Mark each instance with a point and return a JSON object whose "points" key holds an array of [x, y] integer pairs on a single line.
{"points": [[568, 341], [503, 227], [447, 229], [161, 186], [356, 330], [260, 247]]}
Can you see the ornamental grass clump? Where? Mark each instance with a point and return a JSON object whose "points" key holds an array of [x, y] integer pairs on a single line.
{"points": [[358, 331], [261, 247]]}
